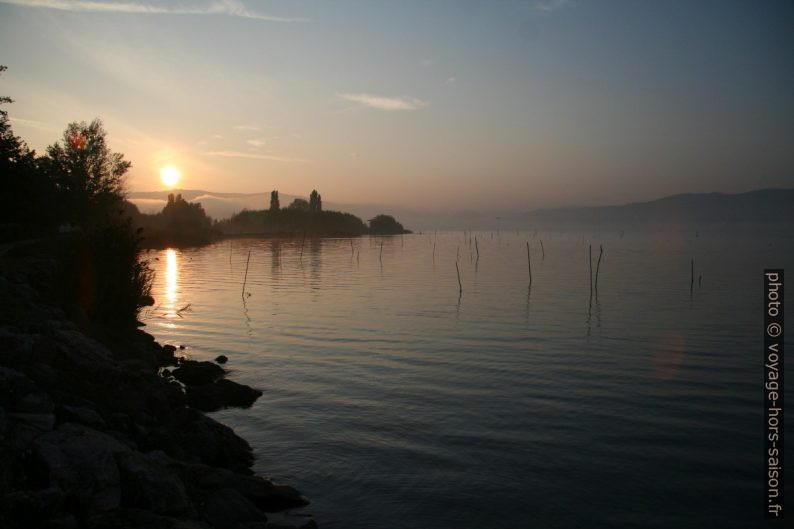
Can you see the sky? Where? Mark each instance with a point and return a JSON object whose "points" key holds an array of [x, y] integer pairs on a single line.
{"points": [[430, 104]]}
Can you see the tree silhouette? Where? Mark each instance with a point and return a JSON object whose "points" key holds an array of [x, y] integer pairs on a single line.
{"points": [[86, 172], [274, 203], [300, 204], [315, 202], [385, 225], [25, 188]]}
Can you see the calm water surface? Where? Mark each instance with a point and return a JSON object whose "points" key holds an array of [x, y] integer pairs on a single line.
{"points": [[394, 402]]}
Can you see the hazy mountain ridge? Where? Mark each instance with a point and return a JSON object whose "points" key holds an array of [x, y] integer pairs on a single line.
{"points": [[763, 205]]}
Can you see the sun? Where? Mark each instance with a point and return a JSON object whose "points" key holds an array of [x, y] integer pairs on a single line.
{"points": [[170, 175]]}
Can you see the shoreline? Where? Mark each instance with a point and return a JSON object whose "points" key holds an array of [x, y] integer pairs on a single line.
{"points": [[108, 429], [286, 236]]}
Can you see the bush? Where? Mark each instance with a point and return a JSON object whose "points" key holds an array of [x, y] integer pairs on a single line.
{"points": [[104, 275], [386, 225]]}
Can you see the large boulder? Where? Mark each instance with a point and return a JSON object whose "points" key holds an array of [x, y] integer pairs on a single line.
{"points": [[129, 518], [13, 386], [201, 480], [28, 508], [80, 461], [228, 509], [196, 373], [191, 436], [148, 485], [221, 394]]}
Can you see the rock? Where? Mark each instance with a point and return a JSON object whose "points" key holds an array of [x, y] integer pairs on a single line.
{"points": [[126, 518], [201, 480], [191, 436], [222, 359], [81, 415], [81, 462], [165, 355], [221, 394], [227, 509], [311, 524], [147, 485], [14, 348], [38, 403], [61, 521], [30, 507], [13, 386], [35, 409], [40, 421], [77, 352], [196, 373], [146, 301], [182, 347]]}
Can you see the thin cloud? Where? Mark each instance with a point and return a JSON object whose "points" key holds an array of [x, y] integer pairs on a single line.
{"points": [[231, 8], [246, 127], [33, 123], [550, 5], [256, 142], [385, 102], [237, 154]]}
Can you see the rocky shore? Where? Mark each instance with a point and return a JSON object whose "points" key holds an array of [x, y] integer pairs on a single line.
{"points": [[107, 430]]}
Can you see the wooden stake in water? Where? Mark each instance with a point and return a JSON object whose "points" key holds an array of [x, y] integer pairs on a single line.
{"points": [[477, 247], [542, 250], [381, 252], [692, 276], [302, 242], [591, 270], [460, 285], [529, 265], [351, 247], [598, 267], [245, 279], [434, 252]]}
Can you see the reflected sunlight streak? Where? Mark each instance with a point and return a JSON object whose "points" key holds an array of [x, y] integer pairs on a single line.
{"points": [[170, 276]]}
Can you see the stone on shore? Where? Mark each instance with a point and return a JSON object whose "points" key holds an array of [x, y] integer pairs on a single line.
{"points": [[228, 509], [86, 423], [201, 480], [221, 394], [80, 461], [191, 436], [150, 486], [195, 373]]}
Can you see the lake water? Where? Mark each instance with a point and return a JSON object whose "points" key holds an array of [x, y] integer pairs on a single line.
{"points": [[393, 401]]}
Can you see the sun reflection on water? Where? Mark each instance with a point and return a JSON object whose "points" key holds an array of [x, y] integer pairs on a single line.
{"points": [[171, 269]]}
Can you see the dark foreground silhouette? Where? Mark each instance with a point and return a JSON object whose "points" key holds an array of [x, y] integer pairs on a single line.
{"points": [[96, 430]]}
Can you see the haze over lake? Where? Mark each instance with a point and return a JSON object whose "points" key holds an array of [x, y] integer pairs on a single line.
{"points": [[393, 401]]}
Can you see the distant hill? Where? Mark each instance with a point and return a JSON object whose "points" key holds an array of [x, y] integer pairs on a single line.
{"points": [[764, 205]]}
